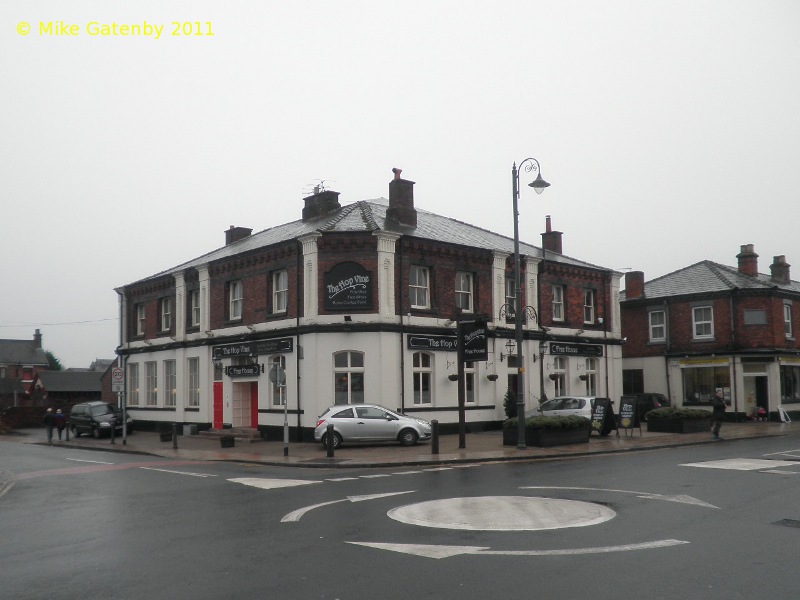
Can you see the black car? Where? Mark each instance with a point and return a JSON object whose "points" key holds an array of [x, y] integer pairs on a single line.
{"points": [[96, 418], [646, 402]]}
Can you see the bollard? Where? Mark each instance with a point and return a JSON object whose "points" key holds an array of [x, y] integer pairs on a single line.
{"points": [[434, 436], [66, 428], [175, 435], [113, 427], [329, 440]]}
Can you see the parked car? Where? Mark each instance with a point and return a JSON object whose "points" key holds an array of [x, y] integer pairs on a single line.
{"points": [[96, 418], [562, 406], [369, 423], [648, 401]]}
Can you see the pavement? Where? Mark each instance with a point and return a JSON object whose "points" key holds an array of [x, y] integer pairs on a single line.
{"points": [[479, 447]]}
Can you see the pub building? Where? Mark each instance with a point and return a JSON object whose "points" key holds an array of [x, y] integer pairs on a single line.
{"points": [[360, 304]]}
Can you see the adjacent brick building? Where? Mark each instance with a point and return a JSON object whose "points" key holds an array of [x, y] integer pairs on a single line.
{"points": [[710, 326], [360, 303]]}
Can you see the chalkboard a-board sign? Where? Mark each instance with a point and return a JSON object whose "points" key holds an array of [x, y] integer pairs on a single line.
{"points": [[628, 415], [603, 417]]}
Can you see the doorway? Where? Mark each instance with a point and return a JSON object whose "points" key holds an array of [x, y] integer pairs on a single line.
{"points": [[756, 394], [245, 405]]}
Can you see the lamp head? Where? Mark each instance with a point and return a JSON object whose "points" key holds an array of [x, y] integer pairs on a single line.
{"points": [[539, 184]]}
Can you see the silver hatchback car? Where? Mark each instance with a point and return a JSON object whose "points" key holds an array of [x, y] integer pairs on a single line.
{"points": [[369, 423]]}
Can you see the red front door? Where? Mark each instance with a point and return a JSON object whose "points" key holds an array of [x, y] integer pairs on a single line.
{"points": [[217, 405], [254, 404]]}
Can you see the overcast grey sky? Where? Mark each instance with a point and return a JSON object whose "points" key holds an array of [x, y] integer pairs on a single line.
{"points": [[669, 131]]}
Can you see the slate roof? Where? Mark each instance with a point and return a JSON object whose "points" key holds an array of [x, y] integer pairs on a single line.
{"points": [[71, 381], [370, 216], [707, 277], [21, 352]]}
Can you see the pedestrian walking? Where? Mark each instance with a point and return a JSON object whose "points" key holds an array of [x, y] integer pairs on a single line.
{"points": [[49, 422], [718, 414], [61, 422]]}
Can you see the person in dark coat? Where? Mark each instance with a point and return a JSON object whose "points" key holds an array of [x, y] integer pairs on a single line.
{"points": [[61, 422], [49, 422], [718, 414]]}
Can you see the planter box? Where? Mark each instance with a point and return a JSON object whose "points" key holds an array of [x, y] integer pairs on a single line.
{"points": [[548, 437], [679, 425], [226, 441]]}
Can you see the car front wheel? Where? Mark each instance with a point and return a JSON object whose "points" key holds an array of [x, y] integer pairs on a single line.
{"points": [[74, 431], [408, 437], [95, 433]]}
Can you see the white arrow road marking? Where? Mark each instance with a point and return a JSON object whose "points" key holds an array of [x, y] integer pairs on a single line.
{"points": [[741, 464], [271, 484], [431, 551], [178, 472], [296, 515], [644, 495], [97, 462]]}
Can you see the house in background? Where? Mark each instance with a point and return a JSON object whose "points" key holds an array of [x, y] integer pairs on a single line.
{"points": [[64, 389], [20, 361], [360, 303], [709, 326]]}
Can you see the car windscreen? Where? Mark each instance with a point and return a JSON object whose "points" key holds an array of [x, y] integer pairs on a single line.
{"points": [[104, 409]]}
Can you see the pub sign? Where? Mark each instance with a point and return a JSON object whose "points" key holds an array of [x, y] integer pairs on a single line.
{"points": [[348, 286]]}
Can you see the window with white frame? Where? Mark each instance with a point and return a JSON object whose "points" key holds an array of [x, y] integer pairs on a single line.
{"points": [[165, 313], [140, 319], [469, 382], [558, 303], [658, 325], [560, 375], [194, 308], [419, 286], [170, 383], [511, 297], [702, 322], [235, 297], [280, 291], [591, 377], [151, 383], [787, 319], [588, 306], [133, 384], [193, 382], [278, 390], [464, 291], [421, 372], [348, 377]]}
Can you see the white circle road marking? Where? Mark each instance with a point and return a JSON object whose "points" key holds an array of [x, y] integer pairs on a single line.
{"points": [[502, 513]]}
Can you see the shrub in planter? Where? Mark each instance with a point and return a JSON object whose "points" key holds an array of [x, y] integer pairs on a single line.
{"points": [[510, 404], [678, 420], [548, 431]]}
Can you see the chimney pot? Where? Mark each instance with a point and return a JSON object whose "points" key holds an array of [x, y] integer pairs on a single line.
{"points": [[634, 285], [779, 270], [551, 240], [748, 260], [401, 201]]}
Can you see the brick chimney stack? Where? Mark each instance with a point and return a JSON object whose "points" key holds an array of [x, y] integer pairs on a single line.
{"points": [[401, 201], [748, 260], [37, 339], [634, 285], [320, 203], [234, 234], [780, 270], [551, 240]]}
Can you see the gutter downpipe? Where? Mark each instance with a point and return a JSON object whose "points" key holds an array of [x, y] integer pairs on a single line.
{"points": [[666, 357], [734, 394], [297, 350], [123, 398], [402, 330]]}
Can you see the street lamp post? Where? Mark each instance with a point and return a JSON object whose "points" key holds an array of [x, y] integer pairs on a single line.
{"points": [[529, 164]]}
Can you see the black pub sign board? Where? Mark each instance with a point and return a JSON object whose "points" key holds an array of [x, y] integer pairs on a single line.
{"points": [[474, 339], [566, 349], [603, 420], [448, 343], [245, 370], [628, 415], [259, 348], [348, 286]]}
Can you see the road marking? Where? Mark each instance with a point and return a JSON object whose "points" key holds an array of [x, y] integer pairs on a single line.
{"points": [[296, 515], [177, 472], [407, 473], [439, 469], [644, 495], [97, 462], [432, 551], [271, 484], [741, 464], [343, 479], [374, 476], [779, 472]]}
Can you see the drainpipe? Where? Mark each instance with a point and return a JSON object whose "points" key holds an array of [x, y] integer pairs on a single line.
{"points": [[297, 349], [734, 394], [402, 330]]}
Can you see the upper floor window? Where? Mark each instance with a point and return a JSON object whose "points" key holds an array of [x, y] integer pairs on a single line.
{"points": [[787, 319], [194, 308], [558, 303], [421, 372], [588, 306], [235, 297], [419, 287], [280, 291], [703, 322], [140, 319], [348, 378], [464, 291], [658, 328], [165, 313]]}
